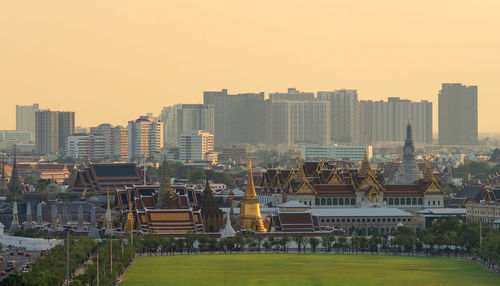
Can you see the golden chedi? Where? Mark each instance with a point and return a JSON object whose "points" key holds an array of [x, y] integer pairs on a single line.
{"points": [[250, 217]]}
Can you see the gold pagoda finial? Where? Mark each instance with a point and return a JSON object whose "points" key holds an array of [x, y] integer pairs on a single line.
{"points": [[250, 217], [428, 172], [108, 198], [130, 217], [365, 165]]}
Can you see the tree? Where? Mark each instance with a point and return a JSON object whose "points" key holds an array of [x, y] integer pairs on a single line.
{"points": [[327, 241], [267, 245], [284, 241], [495, 156], [299, 240], [404, 237], [314, 242]]}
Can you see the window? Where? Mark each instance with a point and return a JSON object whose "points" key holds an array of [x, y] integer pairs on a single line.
{"points": [[404, 220], [393, 220], [346, 202], [433, 203], [335, 202], [391, 201], [383, 220], [409, 220], [348, 220], [399, 220], [353, 202], [322, 220], [316, 202], [362, 220], [358, 220], [402, 202], [378, 220], [439, 203], [323, 202], [420, 201], [396, 201], [429, 203], [414, 201], [341, 202], [329, 202], [327, 220], [408, 201], [343, 220]]}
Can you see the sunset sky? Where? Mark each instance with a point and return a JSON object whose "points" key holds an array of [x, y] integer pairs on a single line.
{"points": [[113, 60]]}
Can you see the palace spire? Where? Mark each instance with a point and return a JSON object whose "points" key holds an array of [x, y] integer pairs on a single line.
{"points": [[250, 217]]}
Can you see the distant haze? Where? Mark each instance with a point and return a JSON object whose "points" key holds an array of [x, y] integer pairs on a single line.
{"points": [[111, 61]]}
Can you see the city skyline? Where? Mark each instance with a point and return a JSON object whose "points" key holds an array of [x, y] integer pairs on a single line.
{"points": [[138, 57]]}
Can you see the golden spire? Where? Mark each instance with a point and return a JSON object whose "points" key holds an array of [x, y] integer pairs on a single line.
{"points": [[250, 217], [428, 172], [365, 165], [130, 217], [108, 198]]}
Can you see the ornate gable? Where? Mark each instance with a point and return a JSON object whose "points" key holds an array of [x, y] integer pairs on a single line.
{"points": [[335, 179], [305, 188], [370, 181], [433, 188]]}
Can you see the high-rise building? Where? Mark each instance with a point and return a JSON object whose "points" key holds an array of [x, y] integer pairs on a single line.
{"points": [[85, 146], [197, 145], [292, 94], [9, 138], [344, 114], [186, 117], [66, 128], [115, 138], [25, 117], [385, 121], [46, 132], [293, 122], [336, 152], [145, 137], [458, 114], [238, 118]]}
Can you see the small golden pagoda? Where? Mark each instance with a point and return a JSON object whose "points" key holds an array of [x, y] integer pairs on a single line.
{"points": [[250, 217], [129, 225]]}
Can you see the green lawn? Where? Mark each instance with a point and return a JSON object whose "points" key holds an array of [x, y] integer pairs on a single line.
{"points": [[305, 269]]}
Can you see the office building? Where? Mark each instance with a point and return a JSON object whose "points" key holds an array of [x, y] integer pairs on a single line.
{"points": [[385, 121], [336, 152], [25, 117], [115, 140], [238, 118], [186, 117], [86, 146], [9, 138], [145, 137], [197, 146], [458, 114], [344, 115]]}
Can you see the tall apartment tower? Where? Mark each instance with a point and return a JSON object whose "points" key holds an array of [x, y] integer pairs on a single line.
{"points": [[25, 117], [145, 137], [344, 115], [66, 128], [291, 95], [458, 114], [297, 122], [238, 118], [186, 117], [197, 145], [385, 121], [46, 132]]}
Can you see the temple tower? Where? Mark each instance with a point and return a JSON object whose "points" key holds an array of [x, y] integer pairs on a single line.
{"points": [[53, 223], [129, 225], [39, 213], [28, 212], [408, 172], [108, 216], [250, 217], [15, 218], [14, 177], [211, 214]]}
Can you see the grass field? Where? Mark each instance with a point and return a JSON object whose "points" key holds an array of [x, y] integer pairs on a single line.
{"points": [[305, 269]]}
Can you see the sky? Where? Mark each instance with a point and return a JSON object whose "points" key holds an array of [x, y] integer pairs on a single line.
{"points": [[111, 61]]}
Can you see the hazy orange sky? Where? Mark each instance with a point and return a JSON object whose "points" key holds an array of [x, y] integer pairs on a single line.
{"points": [[113, 60]]}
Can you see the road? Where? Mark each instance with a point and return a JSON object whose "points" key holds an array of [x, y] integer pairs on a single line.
{"points": [[21, 260]]}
